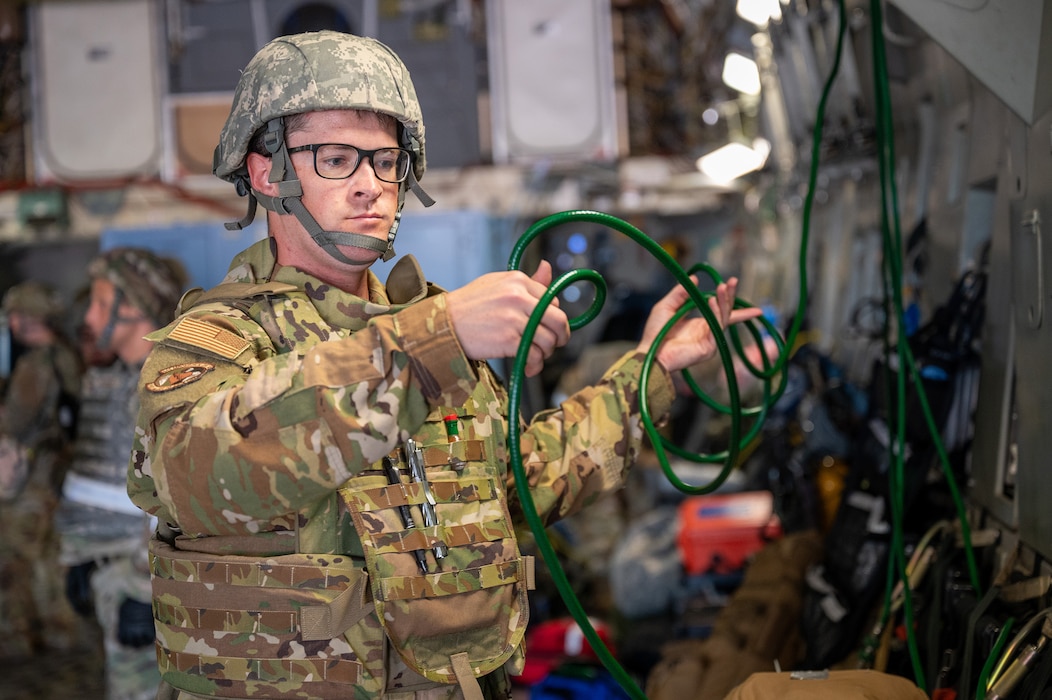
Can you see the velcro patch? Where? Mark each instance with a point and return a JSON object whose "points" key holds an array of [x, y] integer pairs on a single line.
{"points": [[179, 375], [210, 337]]}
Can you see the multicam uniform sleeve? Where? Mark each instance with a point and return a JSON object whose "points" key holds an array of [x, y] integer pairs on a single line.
{"points": [[583, 449], [233, 447], [33, 383]]}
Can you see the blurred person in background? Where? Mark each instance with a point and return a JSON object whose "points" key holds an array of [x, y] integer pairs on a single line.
{"points": [[37, 421], [103, 536]]}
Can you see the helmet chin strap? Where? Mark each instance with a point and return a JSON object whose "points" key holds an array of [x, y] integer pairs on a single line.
{"points": [[102, 341], [105, 337], [288, 201]]}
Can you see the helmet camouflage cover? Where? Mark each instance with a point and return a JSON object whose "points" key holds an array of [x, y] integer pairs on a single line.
{"points": [[149, 282], [317, 71], [33, 298]]}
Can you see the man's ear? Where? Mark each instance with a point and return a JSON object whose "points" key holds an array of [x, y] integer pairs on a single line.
{"points": [[259, 174]]}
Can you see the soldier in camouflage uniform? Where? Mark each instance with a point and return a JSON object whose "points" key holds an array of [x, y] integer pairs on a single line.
{"points": [[103, 535], [319, 536], [36, 426]]}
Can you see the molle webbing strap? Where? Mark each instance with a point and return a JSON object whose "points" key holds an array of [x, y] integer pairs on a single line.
{"points": [[427, 537], [469, 684], [448, 582], [320, 620], [344, 672], [412, 493], [462, 450], [181, 565], [226, 623], [323, 620]]}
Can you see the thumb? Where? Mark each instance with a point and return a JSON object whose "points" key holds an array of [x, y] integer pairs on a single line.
{"points": [[543, 273]]}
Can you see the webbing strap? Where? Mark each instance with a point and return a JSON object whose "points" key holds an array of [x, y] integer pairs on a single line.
{"points": [[464, 450], [460, 581], [329, 239], [338, 616], [391, 496], [448, 535], [466, 677], [344, 671]]}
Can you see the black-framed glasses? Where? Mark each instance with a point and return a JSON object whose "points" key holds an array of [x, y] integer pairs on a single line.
{"points": [[338, 161]]}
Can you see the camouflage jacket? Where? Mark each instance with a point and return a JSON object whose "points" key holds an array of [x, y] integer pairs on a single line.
{"points": [[265, 410], [38, 419], [41, 396]]}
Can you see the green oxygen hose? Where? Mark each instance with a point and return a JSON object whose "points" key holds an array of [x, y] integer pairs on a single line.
{"points": [[892, 235], [697, 301]]}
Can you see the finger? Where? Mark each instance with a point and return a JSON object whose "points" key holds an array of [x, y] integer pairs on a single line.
{"points": [[726, 294], [534, 361], [545, 340], [739, 315], [541, 280], [543, 273], [717, 309], [556, 323]]}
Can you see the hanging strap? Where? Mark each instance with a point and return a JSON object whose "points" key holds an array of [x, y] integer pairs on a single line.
{"points": [[466, 677], [319, 622]]}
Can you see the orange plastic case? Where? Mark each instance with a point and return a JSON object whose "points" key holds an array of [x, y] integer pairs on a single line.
{"points": [[718, 533]]}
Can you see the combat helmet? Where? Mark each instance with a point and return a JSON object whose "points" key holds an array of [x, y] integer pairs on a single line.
{"points": [[35, 299], [149, 282], [310, 72]]}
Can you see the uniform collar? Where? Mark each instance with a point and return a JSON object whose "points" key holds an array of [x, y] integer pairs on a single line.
{"points": [[405, 284]]}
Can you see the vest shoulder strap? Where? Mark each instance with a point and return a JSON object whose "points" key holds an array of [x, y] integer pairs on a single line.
{"points": [[232, 291]]}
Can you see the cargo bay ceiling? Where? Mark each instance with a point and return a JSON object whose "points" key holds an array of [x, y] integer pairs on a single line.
{"points": [[111, 89]]}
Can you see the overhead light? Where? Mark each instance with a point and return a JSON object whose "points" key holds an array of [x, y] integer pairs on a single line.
{"points": [[730, 162], [759, 12], [741, 74]]}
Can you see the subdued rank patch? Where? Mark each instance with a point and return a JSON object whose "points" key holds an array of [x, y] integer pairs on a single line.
{"points": [[179, 375]]}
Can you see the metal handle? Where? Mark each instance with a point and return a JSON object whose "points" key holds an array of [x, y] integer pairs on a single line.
{"points": [[1035, 311]]}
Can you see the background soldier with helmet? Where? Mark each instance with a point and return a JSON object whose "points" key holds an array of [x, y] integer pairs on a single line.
{"points": [[103, 535], [37, 418], [318, 534]]}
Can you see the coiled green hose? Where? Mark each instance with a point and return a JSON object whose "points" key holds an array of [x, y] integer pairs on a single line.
{"points": [[697, 301]]}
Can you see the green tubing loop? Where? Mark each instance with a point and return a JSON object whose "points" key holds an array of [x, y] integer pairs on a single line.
{"points": [[892, 236], [697, 301], [892, 279]]}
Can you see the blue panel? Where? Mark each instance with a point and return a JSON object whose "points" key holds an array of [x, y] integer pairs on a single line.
{"points": [[205, 249], [453, 247]]}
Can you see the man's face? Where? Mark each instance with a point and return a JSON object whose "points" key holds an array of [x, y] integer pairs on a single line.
{"points": [[100, 309], [29, 330], [361, 203]]}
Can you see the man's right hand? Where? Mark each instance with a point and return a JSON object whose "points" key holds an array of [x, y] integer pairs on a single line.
{"points": [[489, 316]]}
